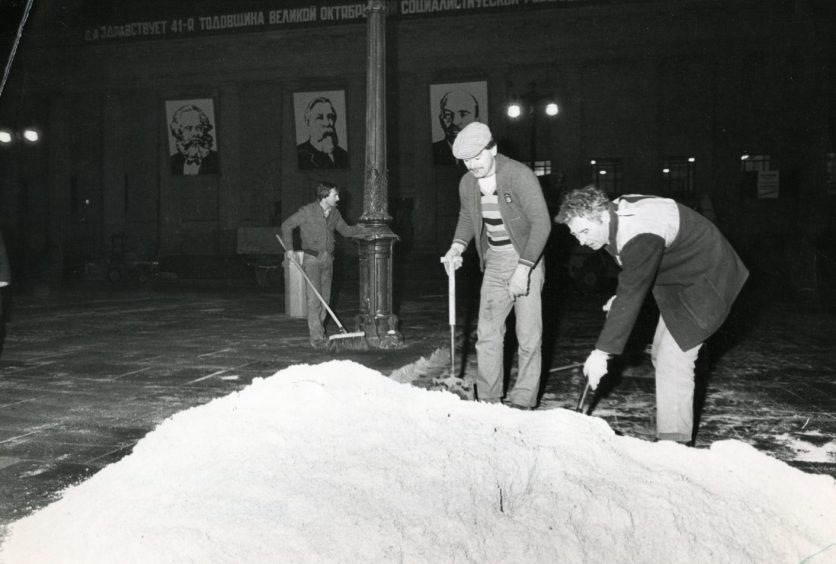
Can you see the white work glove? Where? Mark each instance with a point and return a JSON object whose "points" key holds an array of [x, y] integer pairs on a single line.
{"points": [[595, 367], [290, 256], [2, 284], [518, 284], [608, 306], [453, 257]]}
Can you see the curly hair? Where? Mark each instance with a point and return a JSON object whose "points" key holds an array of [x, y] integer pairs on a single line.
{"points": [[323, 189], [582, 202]]}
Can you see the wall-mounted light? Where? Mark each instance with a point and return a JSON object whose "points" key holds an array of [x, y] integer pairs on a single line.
{"points": [[9, 136], [514, 110], [552, 109]]}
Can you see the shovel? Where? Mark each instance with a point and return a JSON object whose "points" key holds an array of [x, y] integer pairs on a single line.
{"points": [[451, 312]]}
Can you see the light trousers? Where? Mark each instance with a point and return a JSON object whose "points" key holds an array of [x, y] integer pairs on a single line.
{"points": [[320, 269], [494, 306], [674, 386]]}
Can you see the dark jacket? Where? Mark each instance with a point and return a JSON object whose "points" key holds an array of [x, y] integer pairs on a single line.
{"points": [[309, 157], [521, 205], [209, 164], [317, 231], [694, 273]]}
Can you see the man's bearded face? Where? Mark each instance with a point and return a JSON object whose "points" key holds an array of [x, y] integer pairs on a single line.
{"points": [[193, 141], [321, 124]]}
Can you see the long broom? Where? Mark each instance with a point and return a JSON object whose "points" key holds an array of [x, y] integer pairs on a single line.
{"points": [[343, 340]]}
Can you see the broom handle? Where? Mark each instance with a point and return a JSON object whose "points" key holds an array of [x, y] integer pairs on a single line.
{"points": [[311, 286]]}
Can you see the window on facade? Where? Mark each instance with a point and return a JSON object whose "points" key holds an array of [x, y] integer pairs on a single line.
{"points": [[678, 176], [754, 163], [606, 175], [542, 168]]}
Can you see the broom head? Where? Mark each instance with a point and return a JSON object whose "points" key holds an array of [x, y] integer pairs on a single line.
{"points": [[341, 342]]}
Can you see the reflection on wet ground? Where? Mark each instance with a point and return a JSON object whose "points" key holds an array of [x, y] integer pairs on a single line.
{"points": [[85, 375]]}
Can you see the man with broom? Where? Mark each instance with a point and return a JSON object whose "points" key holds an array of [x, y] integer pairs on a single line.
{"points": [[317, 222], [503, 209]]}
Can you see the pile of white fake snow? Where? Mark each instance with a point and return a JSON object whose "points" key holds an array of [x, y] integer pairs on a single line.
{"points": [[336, 462]]}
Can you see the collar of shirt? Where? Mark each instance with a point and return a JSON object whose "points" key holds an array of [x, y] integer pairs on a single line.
{"points": [[487, 185], [326, 209]]}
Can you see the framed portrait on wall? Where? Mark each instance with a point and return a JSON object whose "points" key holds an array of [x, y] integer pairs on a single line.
{"points": [[192, 137], [321, 139], [453, 106]]}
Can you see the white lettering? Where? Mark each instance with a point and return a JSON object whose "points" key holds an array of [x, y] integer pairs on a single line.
{"points": [[430, 6], [345, 12], [231, 21], [295, 15]]}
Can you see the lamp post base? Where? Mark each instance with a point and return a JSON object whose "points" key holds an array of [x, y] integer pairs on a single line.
{"points": [[376, 319]]}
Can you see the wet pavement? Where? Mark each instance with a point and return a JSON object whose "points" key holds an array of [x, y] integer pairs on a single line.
{"points": [[86, 373]]}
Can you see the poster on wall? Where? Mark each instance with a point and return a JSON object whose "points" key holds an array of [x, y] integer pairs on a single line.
{"points": [[321, 140], [453, 106], [192, 137]]}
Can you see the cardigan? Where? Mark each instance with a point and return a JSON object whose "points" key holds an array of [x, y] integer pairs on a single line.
{"points": [[521, 205]]}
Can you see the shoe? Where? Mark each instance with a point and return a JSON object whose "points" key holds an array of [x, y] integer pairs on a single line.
{"points": [[319, 343], [513, 405]]}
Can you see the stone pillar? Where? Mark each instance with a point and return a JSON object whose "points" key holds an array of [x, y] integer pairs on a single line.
{"points": [[375, 280]]}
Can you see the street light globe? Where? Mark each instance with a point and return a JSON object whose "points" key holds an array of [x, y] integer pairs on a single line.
{"points": [[31, 135], [514, 110], [551, 109], [5, 136]]}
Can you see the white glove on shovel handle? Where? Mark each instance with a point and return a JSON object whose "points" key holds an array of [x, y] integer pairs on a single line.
{"points": [[595, 367]]}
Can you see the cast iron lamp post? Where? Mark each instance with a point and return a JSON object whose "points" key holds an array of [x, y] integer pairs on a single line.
{"points": [[376, 318], [532, 103]]}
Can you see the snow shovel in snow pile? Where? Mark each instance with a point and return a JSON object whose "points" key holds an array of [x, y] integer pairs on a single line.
{"points": [[453, 383], [340, 341], [451, 312]]}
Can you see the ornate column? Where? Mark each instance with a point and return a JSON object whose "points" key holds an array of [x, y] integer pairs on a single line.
{"points": [[376, 318]]}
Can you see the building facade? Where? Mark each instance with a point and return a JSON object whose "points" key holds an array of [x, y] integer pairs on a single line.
{"points": [[728, 105]]}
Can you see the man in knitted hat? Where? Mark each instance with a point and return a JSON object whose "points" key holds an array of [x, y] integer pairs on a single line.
{"points": [[503, 209]]}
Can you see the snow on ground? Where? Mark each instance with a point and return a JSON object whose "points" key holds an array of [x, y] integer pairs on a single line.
{"points": [[336, 462]]}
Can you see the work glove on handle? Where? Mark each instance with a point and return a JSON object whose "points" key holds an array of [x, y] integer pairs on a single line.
{"points": [[518, 284], [595, 367], [453, 257]]}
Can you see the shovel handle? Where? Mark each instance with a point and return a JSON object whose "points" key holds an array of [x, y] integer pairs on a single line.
{"points": [[582, 398], [451, 310]]}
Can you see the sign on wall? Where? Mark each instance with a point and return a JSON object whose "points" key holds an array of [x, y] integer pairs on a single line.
{"points": [[453, 106], [162, 20], [321, 139], [192, 137], [769, 182]]}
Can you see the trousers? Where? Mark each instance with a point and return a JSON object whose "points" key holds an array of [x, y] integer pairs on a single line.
{"points": [[494, 306], [320, 270], [674, 386]]}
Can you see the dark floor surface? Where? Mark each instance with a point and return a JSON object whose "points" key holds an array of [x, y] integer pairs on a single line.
{"points": [[85, 374]]}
